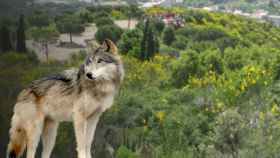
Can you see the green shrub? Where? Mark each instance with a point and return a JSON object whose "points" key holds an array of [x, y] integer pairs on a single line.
{"points": [[111, 32], [230, 133], [234, 58], [168, 36], [187, 66], [212, 60], [124, 152], [130, 42], [100, 22], [180, 43], [159, 25]]}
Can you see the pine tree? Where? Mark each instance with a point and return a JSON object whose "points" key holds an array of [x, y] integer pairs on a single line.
{"points": [[5, 40], [143, 48], [21, 46], [149, 44]]}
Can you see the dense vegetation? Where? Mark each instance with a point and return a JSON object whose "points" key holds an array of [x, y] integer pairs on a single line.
{"points": [[209, 90]]}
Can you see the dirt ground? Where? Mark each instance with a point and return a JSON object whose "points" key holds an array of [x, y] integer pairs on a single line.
{"points": [[59, 53]]}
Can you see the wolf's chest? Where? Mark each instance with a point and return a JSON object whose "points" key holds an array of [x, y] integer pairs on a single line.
{"points": [[88, 104]]}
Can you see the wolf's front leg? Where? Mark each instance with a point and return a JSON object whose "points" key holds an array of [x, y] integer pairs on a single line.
{"points": [[48, 137], [80, 126], [93, 121]]}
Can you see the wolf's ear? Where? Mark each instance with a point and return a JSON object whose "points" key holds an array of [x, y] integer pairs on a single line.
{"points": [[110, 46]]}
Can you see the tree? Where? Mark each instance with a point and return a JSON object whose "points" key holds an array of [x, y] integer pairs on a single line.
{"points": [[70, 24], [103, 21], [100, 14], [168, 36], [85, 16], [133, 12], [230, 133], [44, 35], [21, 46], [130, 42], [5, 40], [152, 43], [112, 32], [159, 25], [214, 60], [180, 43], [143, 48], [188, 65], [149, 43], [39, 19]]}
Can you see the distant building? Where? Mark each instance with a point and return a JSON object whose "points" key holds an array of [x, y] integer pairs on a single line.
{"points": [[171, 3], [105, 3], [274, 19], [211, 8], [161, 3], [259, 14], [170, 19], [52, 1], [153, 3]]}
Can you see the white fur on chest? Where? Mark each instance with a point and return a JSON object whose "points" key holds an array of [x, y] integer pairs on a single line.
{"points": [[86, 104]]}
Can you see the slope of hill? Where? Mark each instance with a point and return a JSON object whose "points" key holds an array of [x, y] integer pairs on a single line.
{"points": [[218, 98]]}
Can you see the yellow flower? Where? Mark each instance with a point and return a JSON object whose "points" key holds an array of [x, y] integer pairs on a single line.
{"points": [[160, 116], [261, 115], [275, 108], [252, 69], [253, 81], [242, 87], [220, 105]]}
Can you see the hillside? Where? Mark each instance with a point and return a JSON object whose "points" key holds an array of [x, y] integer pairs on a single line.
{"points": [[205, 85]]}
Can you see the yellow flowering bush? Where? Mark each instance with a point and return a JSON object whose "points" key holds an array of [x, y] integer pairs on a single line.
{"points": [[228, 87], [146, 73]]}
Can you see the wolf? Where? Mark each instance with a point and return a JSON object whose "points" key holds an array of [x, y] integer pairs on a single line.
{"points": [[79, 95]]}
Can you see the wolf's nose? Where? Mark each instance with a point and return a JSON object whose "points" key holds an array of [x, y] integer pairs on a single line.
{"points": [[90, 76]]}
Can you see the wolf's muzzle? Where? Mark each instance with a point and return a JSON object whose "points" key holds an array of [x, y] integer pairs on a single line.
{"points": [[90, 76]]}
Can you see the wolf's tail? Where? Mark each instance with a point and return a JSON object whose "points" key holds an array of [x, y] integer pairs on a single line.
{"points": [[17, 142]]}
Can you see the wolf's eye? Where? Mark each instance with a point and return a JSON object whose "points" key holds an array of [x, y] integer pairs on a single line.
{"points": [[89, 61]]}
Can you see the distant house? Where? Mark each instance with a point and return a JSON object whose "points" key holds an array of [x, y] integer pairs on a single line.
{"points": [[259, 14], [173, 20], [105, 3], [274, 19], [151, 4], [171, 3], [161, 3], [170, 19], [51, 1], [211, 8]]}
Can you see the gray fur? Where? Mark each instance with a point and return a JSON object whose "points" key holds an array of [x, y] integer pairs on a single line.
{"points": [[78, 95]]}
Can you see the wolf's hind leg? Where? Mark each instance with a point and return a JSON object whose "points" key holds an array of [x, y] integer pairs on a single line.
{"points": [[34, 131], [48, 137]]}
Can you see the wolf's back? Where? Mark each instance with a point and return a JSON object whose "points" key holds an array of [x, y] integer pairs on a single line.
{"points": [[26, 108]]}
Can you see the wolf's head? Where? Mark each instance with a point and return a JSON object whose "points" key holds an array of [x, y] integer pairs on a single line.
{"points": [[103, 64]]}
